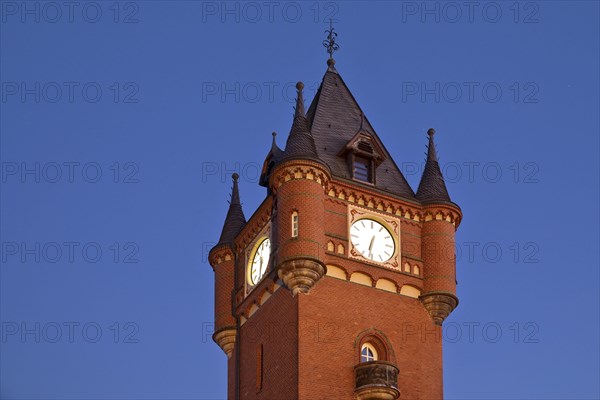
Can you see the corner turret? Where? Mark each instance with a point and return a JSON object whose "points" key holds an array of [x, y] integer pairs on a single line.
{"points": [[441, 218], [222, 258]]}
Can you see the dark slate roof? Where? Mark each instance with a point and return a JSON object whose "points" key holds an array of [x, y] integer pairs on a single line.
{"points": [[432, 187], [334, 117], [235, 220], [300, 143]]}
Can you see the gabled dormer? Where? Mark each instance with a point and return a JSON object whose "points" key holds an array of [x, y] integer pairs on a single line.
{"points": [[363, 155]]}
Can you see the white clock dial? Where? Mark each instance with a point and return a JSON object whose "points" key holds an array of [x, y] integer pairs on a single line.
{"points": [[372, 240], [260, 261]]}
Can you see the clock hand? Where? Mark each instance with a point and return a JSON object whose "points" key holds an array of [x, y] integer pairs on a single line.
{"points": [[371, 246]]}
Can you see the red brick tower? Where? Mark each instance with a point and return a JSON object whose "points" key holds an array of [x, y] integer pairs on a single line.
{"points": [[338, 284]]}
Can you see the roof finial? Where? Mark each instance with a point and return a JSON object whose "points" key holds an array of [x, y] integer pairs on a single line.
{"points": [[362, 120], [299, 100], [235, 194], [431, 153], [330, 43]]}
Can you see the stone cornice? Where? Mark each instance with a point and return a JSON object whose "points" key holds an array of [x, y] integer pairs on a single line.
{"points": [[411, 213], [256, 297], [443, 211], [255, 224], [220, 253]]}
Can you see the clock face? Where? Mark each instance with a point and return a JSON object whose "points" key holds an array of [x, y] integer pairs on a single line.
{"points": [[372, 240], [260, 261]]}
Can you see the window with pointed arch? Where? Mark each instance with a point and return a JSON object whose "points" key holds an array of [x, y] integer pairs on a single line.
{"points": [[368, 353], [295, 224]]}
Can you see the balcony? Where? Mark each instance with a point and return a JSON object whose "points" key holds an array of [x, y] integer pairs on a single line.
{"points": [[376, 380]]}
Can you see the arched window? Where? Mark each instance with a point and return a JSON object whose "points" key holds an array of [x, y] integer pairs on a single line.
{"points": [[372, 345], [416, 270], [368, 353], [295, 224]]}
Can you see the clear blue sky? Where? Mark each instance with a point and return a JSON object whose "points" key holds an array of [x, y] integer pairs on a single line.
{"points": [[166, 102]]}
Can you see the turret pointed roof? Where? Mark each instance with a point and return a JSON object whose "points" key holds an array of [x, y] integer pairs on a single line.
{"points": [[333, 118], [275, 150], [235, 219], [273, 157], [432, 187], [300, 143]]}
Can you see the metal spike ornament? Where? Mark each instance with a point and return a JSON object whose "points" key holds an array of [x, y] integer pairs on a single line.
{"points": [[330, 43]]}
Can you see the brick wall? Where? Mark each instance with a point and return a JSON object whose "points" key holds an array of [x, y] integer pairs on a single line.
{"points": [[332, 318], [439, 256], [274, 326]]}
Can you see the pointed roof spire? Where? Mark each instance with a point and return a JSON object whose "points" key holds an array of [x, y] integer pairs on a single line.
{"points": [[333, 119], [432, 187], [300, 143], [235, 219]]}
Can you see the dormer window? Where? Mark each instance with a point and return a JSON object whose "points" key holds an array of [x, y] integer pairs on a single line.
{"points": [[363, 155], [362, 169]]}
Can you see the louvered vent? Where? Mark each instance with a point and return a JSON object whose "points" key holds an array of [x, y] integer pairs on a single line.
{"points": [[365, 146]]}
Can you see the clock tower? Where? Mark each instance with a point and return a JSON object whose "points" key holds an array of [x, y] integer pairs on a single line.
{"points": [[338, 284]]}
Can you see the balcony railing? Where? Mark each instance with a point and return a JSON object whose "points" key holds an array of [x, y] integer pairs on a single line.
{"points": [[376, 380]]}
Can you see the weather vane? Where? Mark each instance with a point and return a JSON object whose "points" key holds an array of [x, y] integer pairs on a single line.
{"points": [[330, 43]]}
